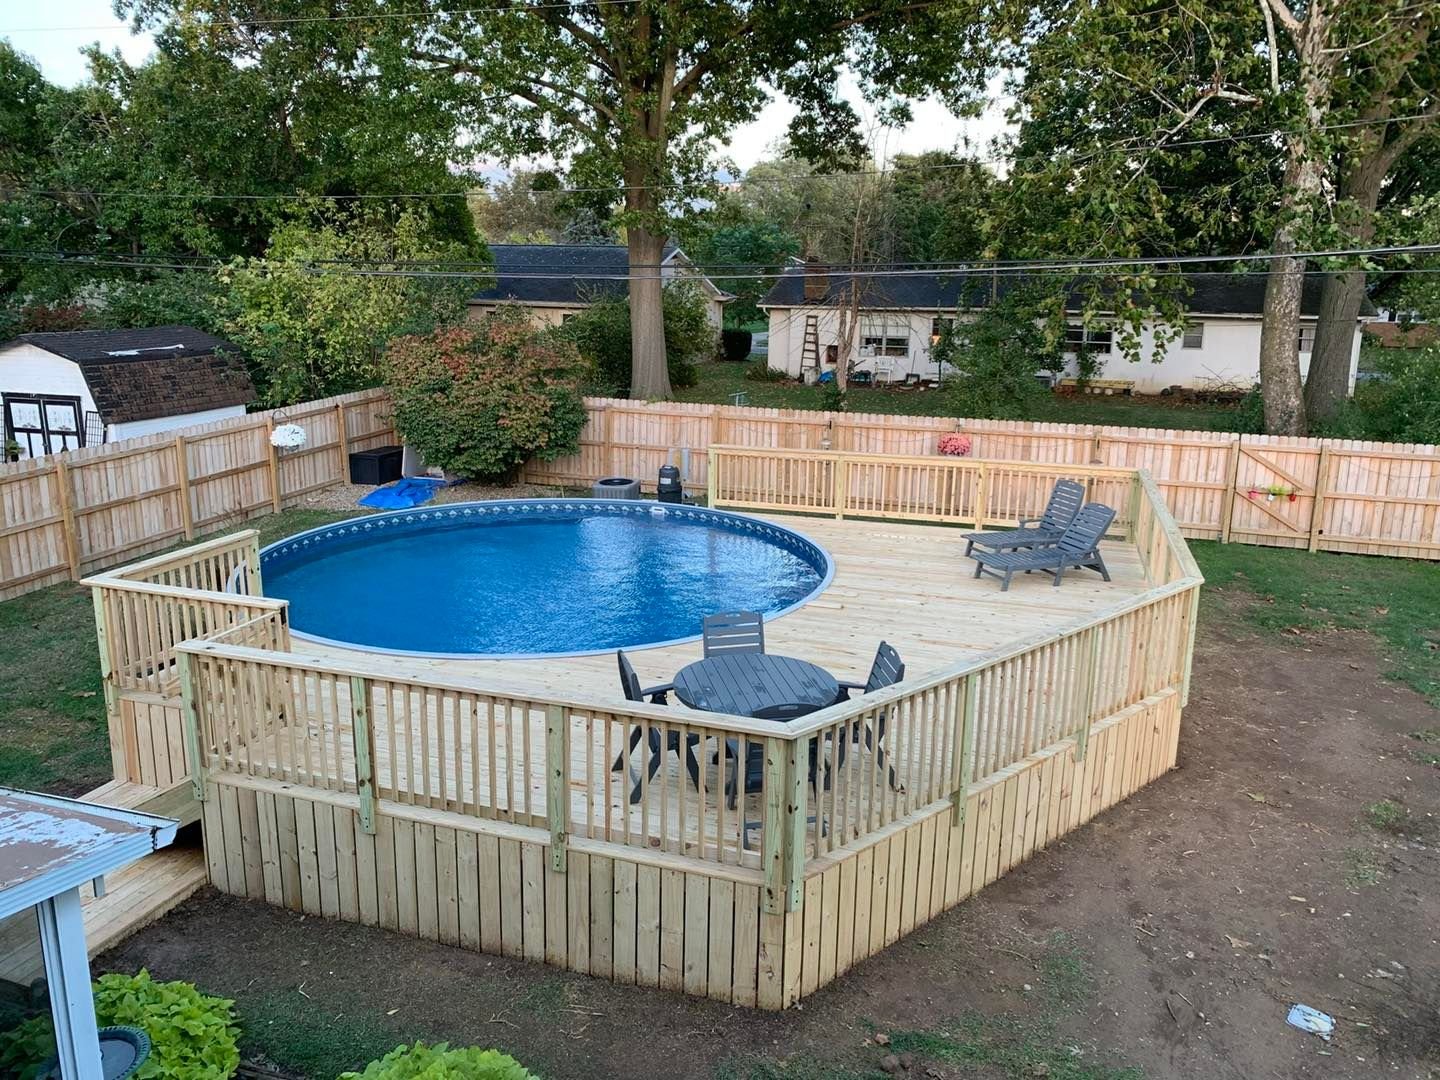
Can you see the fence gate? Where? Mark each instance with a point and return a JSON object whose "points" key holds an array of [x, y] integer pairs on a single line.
{"points": [[1272, 500]]}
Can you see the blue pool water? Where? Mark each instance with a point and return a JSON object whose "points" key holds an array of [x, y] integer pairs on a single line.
{"points": [[536, 577]]}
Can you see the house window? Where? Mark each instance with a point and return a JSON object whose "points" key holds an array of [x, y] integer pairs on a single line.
{"points": [[1194, 336], [1307, 339], [1079, 338], [881, 339]]}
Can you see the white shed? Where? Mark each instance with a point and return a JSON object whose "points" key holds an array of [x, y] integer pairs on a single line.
{"points": [[64, 390], [49, 847]]}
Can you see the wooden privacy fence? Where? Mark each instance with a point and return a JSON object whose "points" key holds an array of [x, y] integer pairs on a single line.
{"points": [[1320, 494], [72, 513]]}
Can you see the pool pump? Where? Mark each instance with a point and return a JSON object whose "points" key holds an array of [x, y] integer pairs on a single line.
{"points": [[668, 488]]}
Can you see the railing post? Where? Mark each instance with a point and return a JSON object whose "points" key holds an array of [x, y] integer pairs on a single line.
{"points": [[1190, 645], [1134, 529], [1082, 739], [253, 584], [712, 476], [962, 752], [783, 848], [841, 465], [119, 759], [190, 715], [982, 496], [363, 737], [557, 788]]}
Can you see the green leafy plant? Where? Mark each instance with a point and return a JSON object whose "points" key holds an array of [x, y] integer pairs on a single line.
{"points": [[1386, 816], [602, 334], [192, 1035], [759, 371], [992, 362], [482, 400], [439, 1062]]}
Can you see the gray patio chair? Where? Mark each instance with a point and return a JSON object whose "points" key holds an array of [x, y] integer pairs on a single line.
{"points": [[1078, 548], [886, 670], [656, 695], [1066, 498], [731, 632]]}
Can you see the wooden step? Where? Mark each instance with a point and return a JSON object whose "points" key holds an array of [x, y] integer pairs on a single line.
{"points": [[176, 801], [134, 897]]}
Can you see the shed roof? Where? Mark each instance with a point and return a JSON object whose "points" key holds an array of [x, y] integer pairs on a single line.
{"points": [[1210, 293], [49, 845], [152, 371]]}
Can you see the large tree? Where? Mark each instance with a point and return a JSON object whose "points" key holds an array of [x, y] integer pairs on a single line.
{"points": [[641, 90]]}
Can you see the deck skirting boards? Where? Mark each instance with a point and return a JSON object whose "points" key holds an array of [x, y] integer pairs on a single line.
{"points": [[655, 919]]}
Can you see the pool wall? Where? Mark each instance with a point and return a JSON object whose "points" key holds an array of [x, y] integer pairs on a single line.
{"points": [[503, 511]]}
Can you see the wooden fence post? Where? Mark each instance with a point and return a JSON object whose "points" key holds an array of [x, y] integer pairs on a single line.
{"points": [[783, 846], [557, 787], [190, 716], [1227, 500], [1317, 507], [363, 737], [342, 433], [182, 470], [962, 767], [274, 464], [712, 476], [67, 517]]}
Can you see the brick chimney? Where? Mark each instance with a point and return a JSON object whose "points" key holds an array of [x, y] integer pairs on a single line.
{"points": [[816, 281]]}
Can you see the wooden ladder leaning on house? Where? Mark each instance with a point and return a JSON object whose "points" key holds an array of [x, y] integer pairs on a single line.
{"points": [[810, 347]]}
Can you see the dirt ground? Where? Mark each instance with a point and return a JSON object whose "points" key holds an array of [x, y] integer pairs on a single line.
{"points": [[1170, 936]]}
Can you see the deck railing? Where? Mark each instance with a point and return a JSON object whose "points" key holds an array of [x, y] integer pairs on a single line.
{"points": [[391, 736]]}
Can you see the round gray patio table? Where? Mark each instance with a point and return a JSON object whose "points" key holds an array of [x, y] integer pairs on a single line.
{"points": [[745, 683]]}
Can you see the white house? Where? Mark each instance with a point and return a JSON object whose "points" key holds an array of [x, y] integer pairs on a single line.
{"points": [[901, 317], [557, 281], [77, 388]]}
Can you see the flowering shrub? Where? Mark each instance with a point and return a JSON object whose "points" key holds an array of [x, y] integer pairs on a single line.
{"points": [[482, 400], [955, 444]]}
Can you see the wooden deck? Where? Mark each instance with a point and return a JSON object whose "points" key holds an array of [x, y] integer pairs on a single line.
{"points": [[906, 584]]}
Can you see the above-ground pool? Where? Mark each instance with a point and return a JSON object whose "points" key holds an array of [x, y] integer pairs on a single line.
{"points": [[536, 577]]}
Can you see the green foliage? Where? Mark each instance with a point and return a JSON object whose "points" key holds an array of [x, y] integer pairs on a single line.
{"points": [[1402, 403], [734, 238], [439, 1062], [192, 1036], [942, 207], [482, 400], [735, 344], [760, 371], [602, 334], [193, 299], [1386, 816], [310, 334], [993, 361]]}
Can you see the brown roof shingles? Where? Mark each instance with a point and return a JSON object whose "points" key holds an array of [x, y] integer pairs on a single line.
{"points": [[144, 388]]}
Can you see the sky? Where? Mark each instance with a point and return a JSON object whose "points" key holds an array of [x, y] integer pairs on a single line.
{"points": [[57, 51]]}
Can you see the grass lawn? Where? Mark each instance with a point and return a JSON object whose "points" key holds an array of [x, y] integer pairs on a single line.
{"points": [[1397, 600], [719, 381], [52, 712]]}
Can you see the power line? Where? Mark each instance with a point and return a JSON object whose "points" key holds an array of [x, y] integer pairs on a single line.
{"points": [[514, 9], [1120, 146]]}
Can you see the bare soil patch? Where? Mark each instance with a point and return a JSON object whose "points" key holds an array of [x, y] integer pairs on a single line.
{"points": [[1170, 935]]}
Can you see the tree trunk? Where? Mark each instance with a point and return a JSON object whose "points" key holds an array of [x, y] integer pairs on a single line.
{"points": [[1327, 384], [649, 375]]}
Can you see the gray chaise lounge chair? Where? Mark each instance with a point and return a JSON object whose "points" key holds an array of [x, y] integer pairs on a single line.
{"points": [[1078, 548], [1065, 501]]}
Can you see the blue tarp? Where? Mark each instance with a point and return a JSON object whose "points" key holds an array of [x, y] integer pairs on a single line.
{"points": [[403, 494]]}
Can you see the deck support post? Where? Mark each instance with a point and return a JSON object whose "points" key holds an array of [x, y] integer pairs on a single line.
{"points": [[841, 467], [783, 850], [1134, 529], [982, 496], [962, 752], [1190, 646], [557, 788], [253, 584], [119, 761], [190, 717], [364, 744]]}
